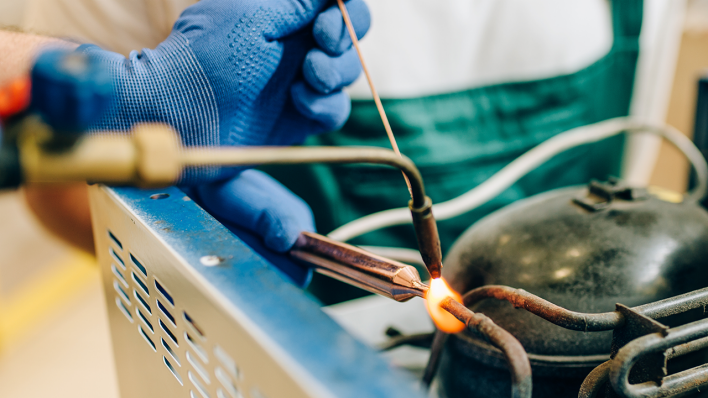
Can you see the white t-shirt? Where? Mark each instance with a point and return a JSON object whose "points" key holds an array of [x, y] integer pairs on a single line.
{"points": [[116, 25]]}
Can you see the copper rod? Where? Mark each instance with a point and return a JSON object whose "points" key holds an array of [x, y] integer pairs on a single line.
{"points": [[374, 93]]}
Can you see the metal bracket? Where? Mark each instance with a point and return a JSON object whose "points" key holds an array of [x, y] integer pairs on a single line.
{"points": [[601, 194]]}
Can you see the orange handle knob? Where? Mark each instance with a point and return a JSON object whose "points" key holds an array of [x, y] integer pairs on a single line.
{"points": [[15, 97]]}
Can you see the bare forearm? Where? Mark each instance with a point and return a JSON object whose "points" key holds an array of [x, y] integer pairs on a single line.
{"points": [[63, 210], [17, 51]]}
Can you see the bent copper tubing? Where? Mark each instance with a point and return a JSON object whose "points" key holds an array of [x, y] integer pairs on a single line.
{"points": [[597, 378], [421, 206], [249, 156], [691, 336], [560, 316], [572, 320], [516, 357]]}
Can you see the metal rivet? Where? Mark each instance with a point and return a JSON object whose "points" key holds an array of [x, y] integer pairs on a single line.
{"points": [[210, 261], [160, 196]]}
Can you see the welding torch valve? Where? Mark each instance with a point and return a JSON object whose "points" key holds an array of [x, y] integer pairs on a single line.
{"points": [[149, 157]]}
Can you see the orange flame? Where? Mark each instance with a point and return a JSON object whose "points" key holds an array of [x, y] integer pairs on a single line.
{"points": [[438, 291]]}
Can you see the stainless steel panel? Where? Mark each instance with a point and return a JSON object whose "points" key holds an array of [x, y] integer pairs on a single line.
{"points": [[194, 312]]}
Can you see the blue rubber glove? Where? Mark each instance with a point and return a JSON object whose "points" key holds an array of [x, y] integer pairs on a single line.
{"points": [[247, 72], [254, 202]]}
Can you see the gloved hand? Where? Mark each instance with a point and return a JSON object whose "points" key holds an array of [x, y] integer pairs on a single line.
{"points": [[246, 72], [254, 202]]}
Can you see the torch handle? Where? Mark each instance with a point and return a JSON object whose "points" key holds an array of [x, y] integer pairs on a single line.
{"points": [[358, 267]]}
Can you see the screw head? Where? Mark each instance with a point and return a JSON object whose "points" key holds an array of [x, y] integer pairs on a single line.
{"points": [[211, 261]]}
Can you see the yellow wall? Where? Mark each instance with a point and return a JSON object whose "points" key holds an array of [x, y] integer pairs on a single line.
{"points": [[671, 170]]}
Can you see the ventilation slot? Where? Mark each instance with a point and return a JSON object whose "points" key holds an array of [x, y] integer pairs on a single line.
{"points": [[121, 292], [138, 265], [166, 312], [167, 331], [221, 394], [198, 367], [164, 293], [144, 319], [124, 310], [115, 240], [174, 372], [142, 301], [119, 275], [196, 347], [170, 351], [194, 326], [226, 361], [198, 384], [227, 383], [145, 336], [117, 257], [140, 283]]}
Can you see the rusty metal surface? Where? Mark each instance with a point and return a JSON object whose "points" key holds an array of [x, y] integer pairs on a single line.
{"points": [[674, 305], [680, 383], [650, 367], [514, 352], [560, 316], [572, 320], [633, 327], [595, 381]]}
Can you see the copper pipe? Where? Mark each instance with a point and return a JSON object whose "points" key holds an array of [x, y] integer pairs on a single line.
{"points": [[252, 155], [517, 360], [420, 206], [560, 316], [585, 322]]}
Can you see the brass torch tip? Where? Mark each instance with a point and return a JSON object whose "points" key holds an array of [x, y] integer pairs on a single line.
{"points": [[435, 271]]}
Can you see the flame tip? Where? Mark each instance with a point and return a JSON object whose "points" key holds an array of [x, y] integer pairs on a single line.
{"points": [[438, 291]]}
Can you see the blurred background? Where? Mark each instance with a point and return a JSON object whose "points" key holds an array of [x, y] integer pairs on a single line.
{"points": [[54, 338]]}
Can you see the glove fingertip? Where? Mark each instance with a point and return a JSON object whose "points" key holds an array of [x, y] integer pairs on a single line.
{"points": [[326, 74], [331, 111], [330, 31], [319, 74]]}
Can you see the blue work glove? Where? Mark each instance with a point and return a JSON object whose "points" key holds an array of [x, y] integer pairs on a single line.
{"points": [[255, 203], [246, 72]]}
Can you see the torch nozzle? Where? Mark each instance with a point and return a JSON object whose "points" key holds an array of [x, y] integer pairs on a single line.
{"points": [[358, 267], [426, 231]]}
